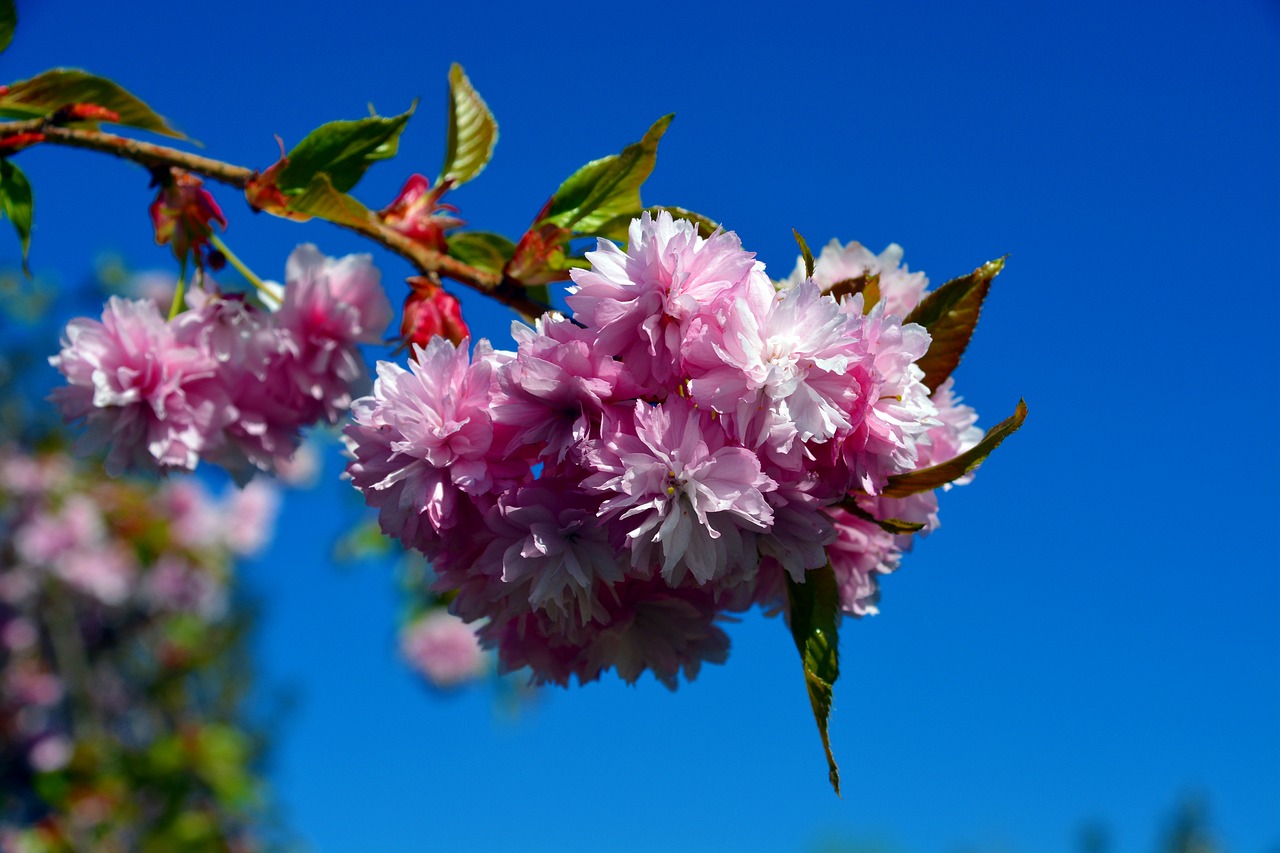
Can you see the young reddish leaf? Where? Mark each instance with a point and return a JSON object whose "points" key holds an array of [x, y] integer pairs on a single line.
{"points": [[343, 150], [18, 203], [481, 249], [605, 190], [539, 257], [950, 314], [815, 605], [47, 93], [805, 253], [857, 284], [902, 485], [8, 23], [473, 131], [183, 215], [418, 214]]}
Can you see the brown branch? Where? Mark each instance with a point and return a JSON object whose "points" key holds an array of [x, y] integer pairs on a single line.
{"points": [[426, 260]]}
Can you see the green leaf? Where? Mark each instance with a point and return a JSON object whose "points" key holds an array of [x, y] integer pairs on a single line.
{"points": [[895, 526], [815, 605], [902, 485], [606, 190], [343, 150], [616, 228], [8, 23], [52, 90], [321, 200], [481, 249], [473, 131], [18, 203], [804, 251], [950, 314], [539, 293]]}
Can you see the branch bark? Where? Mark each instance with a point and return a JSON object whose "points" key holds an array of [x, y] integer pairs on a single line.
{"points": [[426, 260]]}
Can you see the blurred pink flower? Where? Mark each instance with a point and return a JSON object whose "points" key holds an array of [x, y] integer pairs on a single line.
{"points": [[153, 402], [443, 648]]}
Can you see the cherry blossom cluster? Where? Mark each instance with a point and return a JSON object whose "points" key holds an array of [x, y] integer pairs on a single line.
{"points": [[226, 381], [690, 436], [95, 574]]}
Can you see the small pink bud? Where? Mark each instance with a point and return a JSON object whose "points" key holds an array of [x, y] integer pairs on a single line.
{"points": [[429, 311]]}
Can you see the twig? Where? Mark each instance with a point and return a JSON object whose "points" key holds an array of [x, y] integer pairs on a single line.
{"points": [[425, 260]]}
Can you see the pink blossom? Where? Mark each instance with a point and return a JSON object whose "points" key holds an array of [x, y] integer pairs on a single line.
{"points": [[329, 306], [249, 517], [443, 648], [954, 434], [639, 303], [884, 441], [649, 626], [555, 390], [782, 368], [105, 572], [153, 402], [678, 487], [423, 439], [50, 753], [175, 584], [551, 547], [901, 290], [861, 552]]}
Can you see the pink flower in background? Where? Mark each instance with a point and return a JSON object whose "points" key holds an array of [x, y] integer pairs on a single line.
{"points": [[249, 517], [899, 289], [443, 648], [153, 402], [106, 571], [330, 306]]}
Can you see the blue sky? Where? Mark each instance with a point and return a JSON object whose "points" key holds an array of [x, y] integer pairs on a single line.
{"points": [[1094, 630]]}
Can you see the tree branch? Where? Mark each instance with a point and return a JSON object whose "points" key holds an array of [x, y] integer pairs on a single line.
{"points": [[425, 260]]}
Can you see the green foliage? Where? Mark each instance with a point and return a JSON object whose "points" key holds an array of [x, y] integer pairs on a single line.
{"points": [[805, 253], [18, 203], [46, 93], [8, 23], [481, 249], [323, 201], [597, 198], [950, 314], [815, 606], [902, 485], [473, 131], [706, 226], [343, 150]]}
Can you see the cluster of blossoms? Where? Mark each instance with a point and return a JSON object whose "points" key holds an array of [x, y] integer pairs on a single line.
{"points": [[226, 381], [691, 436], [113, 602]]}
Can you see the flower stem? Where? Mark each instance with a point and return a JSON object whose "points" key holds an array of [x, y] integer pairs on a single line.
{"points": [[176, 307], [243, 269]]}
